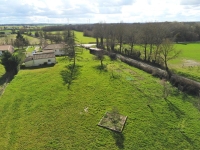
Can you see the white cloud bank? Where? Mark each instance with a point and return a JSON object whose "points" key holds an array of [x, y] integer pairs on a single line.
{"points": [[85, 11]]}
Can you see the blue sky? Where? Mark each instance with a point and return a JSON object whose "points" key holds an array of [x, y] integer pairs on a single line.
{"points": [[94, 11]]}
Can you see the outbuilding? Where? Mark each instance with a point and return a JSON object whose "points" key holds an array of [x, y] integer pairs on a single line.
{"points": [[40, 58]]}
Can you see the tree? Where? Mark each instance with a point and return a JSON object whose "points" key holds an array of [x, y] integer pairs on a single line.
{"points": [[100, 56], [20, 40], [10, 63], [168, 52], [120, 34]]}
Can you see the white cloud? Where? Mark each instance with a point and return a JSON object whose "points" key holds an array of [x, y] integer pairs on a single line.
{"points": [[60, 11]]}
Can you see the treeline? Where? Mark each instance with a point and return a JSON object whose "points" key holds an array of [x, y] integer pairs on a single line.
{"points": [[77, 27]]}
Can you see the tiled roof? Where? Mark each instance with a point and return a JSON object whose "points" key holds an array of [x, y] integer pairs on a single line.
{"points": [[44, 52], [6, 47], [40, 55], [53, 46], [43, 55]]}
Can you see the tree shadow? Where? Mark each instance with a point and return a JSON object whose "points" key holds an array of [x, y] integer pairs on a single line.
{"points": [[187, 138], [3, 79], [101, 68], [70, 73], [37, 67], [186, 98], [119, 139], [151, 108], [179, 113]]}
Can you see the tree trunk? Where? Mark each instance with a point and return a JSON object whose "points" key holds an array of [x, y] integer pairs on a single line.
{"points": [[150, 53], [101, 42], [145, 52], [131, 47], [97, 42], [101, 63]]}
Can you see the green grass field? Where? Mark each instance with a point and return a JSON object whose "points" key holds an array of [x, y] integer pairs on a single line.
{"points": [[80, 38], [9, 38], [32, 40], [38, 111], [83, 39], [188, 63]]}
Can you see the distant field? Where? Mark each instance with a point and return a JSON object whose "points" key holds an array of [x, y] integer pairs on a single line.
{"points": [[38, 111], [83, 39], [32, 40], [188, 63], [6, 31], [189, 51], [9, 38], [80, 38]]}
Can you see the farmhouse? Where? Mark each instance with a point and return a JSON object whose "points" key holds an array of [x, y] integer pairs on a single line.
{"points": [[40, 58], [4, 48], [57, 48]]}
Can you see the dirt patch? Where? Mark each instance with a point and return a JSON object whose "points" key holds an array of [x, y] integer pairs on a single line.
{"points": [[108, 122], [192, 63]]}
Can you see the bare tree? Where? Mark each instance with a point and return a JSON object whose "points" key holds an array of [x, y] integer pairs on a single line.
{"points": [[120, 34], [130, 38], [168, 52]]}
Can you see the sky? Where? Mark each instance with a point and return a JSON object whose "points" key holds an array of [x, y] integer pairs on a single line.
{"points": [[95, 11]]}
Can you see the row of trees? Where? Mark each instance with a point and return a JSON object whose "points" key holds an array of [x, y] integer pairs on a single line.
{"points": [[152, 42]]}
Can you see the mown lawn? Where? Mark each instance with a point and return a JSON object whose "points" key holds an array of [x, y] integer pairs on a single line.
{"points": [[38, 111]]}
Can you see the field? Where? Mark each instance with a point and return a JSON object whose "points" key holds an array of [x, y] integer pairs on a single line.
{"points": [[38, 111], [84, 40], [32, 40], [80, 38], [188, 63], [8, 38]]}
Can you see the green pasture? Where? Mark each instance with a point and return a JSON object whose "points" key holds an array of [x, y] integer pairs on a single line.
{"points": [[32, 40], [79, 37], [189, 51], [6, 31], [38, 111], [188, 62], [83, 39], [8, 38]]}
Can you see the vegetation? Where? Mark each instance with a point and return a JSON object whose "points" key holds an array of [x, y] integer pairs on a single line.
{"points": [[39, 112], [10, 63]]}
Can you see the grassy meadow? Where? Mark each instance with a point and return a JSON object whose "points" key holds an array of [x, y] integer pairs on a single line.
{"points": [[79, 37], [82, 39], [188, 63], [32, 40], [38, 111]]}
